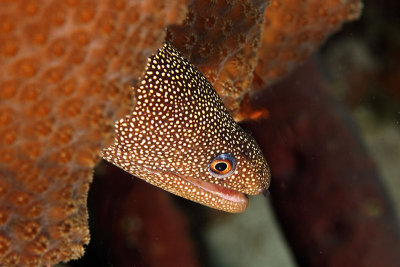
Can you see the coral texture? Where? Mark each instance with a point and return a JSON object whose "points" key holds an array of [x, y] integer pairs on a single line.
{"points": [[294, 29], [221, 38], [66, 72], [230, 41]]}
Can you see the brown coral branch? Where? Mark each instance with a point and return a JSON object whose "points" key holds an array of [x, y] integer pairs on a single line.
{"points": [[221, 38], [326, 191]]}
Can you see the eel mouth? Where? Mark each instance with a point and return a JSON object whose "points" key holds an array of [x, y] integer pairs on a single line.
{"points": [[217, 190], [219, 197]]}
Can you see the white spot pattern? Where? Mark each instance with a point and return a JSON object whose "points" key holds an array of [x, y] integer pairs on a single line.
{"points": [[179, 124]]}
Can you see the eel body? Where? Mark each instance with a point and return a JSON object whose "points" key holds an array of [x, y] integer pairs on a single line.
{"points": [[181, 138]]}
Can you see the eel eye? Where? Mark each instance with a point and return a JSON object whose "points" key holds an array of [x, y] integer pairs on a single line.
{"points": [[222, 165]]}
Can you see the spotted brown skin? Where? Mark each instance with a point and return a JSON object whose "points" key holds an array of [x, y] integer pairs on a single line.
{"points": [[181, 138]]}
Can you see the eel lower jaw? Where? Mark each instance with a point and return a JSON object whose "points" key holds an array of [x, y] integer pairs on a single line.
{"points": [[217, 190], [205, 193], [240, 199]]}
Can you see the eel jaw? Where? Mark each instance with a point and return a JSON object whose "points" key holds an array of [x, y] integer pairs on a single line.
{"points": [[219, 191], [205, 193]]}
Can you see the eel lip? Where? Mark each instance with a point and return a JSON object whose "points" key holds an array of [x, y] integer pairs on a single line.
{"points": [[217, 190], [239, 201]]}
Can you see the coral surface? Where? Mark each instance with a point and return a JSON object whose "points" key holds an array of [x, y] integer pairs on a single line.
{"points": [[221, 38], [294, 29], [66, 72], [230, 41]]}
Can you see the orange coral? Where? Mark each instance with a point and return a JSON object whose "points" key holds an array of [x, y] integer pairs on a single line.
{"points": [[293, 30], [221, 38], [66, 72]]}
